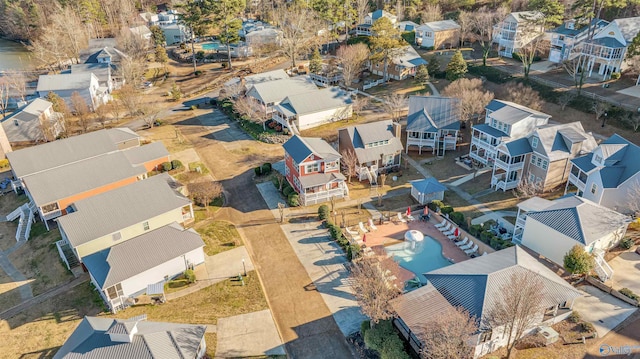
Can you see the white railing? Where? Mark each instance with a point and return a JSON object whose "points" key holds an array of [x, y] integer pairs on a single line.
{"points": [[509, 166], [505, 186], [317, 197], [604, 271], [15, 214], [52, 214], [484, 144], [421, 142], [59, 245], [372, 84], [27, 231], [574, 180]]}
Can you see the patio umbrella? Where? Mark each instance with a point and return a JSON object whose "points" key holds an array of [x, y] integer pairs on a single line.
{"points": [[364, 238], [408, 211], [457, 232]]}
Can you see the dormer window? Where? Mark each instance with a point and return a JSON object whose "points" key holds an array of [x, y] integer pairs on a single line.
{"points": [[534, 142], [314, 167], [598, 159]]}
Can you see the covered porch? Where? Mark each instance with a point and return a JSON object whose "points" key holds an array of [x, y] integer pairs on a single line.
{"points": [[439, 141], [577, 178], [321, 187], [509, 165], [605, 55]]}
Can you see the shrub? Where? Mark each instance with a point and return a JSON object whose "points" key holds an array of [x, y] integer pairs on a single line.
{"points": [[323, 212], [486, 236], [364, 326], [475, 230], [615, 76], [630, 294], [266, 168], [166, 166], [288, 191], [194, 107], [446, 210], [176, 165], [335, 231], [577, 261], [488, 224], [343, 242], [587, 327], [293, 200], [353, 251], [4, 163], [458, 218], [190, 276], [435, 205], [198, 72], [627, 243], [258, 171], [385, 340], [574, 317]]}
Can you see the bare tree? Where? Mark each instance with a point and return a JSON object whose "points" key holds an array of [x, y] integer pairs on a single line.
{"points": [[527, 189], [349, 163], [130, 98], [482, 24], [281, 180], [522, 94], [362, 8], [533, 49], [4, 96], [232, 91], [373, 287], [465, 19], [633, 199], [431, 12], [203, 193], [600, 110], [17, 82], [395, 105], [473, 99], [81, 110], [359, 103], [251, 110], [352, 58], [102, 117], [132, 69], [517, 307], [150, 113], [573, 68], [565, 99], [299, 26], [448, 335]]}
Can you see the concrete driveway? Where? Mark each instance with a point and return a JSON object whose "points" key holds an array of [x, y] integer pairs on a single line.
{"points": [[626, 271], [602, 309]]}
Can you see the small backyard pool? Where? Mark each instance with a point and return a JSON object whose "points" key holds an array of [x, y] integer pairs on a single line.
{"points": [[211, 46], [419, 257]]}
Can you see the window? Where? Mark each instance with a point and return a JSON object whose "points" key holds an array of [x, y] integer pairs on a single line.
{"points": [[594, 188], [330, 165], [494, 123], [314, 167], [539, 162], [533, 159], [545, 164], [145, 225], [116, 236], [598, 159], [115, 291], [534, 142], [388, 160], [485, 336], [532, 178]]}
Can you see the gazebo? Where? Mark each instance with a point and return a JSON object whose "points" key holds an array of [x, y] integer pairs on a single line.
{"points": [[427, 190]]}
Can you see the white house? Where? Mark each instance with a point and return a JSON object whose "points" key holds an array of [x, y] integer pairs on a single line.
{"points": [[176, 33], [566, 37], [476, 285], [124, 271], [553, 229], [609, 176], [64, 85], [426, 190], [433, 122], [517, 30], [606, 52], [504, 121], [270, 93], [364, 29], [141, 31], [268, 36], [310, 109], [97, 337], [438, 34], [36, 122], [104, 72]]}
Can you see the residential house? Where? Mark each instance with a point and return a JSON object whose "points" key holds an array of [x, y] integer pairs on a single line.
{"points": [[542, 157], [516, 31], [64, 85], [438, 34], [433, 122], [377, 146], [131, 210], [270, 93], [566, 37], [364, 29], [402, 66], [407, 26], [310, 109], [609, 175], [426, 190], [607, 50], [102, 51], [141, 31], [268, 36], [125, 270], [104, 72], [97, 337], [552, 228], [36, 122], [175, 33], [312, 167], [245, 83], [149, 18], [504, 122], [476, 285], [168, 17]]}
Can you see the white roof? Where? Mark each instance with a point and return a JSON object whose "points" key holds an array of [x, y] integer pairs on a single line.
{"points": [[629, 27], [439, 25], [521, 16], [276, 91], [65, 82]]}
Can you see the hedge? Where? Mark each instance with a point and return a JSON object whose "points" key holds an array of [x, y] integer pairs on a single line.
{"points": [[627, 243], [490, 73], [166, 166], [287, 191], [458, 218], [323, 212], [446, 210], [384, 339], [266, 168], [629, 293], [293, 200], [258, 171], [176, 164]]}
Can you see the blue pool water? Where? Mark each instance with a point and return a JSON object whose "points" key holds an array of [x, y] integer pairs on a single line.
{"points": [[211, 46], [419, 257]]}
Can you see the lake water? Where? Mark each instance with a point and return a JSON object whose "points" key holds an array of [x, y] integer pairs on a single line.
{"points": [[13, 56]]}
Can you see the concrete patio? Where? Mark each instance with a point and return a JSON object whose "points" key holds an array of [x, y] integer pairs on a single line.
{"points": [[626, 268], [248, 335], [601, 309]]}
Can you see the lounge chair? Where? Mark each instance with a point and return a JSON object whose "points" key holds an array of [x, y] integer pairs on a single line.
{"points": [[463, 242], [409, 217], [351, 232], [450, 231], [442, 224], [445, 228], [371, 225], [484, 254], [472, 250], [400, 219], [361, 225], [467, 246], [453, 236]]}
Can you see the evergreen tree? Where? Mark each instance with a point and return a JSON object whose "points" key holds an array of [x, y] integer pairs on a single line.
{"points": [[386, 42], [315, 63], [634, 47], [457, 67], [157, 35], [578, 261], [422, 75], [433, 65], [227, 15], [552, 10]]}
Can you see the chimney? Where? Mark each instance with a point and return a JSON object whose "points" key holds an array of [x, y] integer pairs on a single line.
{"points": [[397, 129]]}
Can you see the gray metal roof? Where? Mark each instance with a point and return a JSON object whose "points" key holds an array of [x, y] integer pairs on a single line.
{"points": [[299, 148], [476, 284], [580, 219], [441, 25], [68, 82], [629, 27], [140, 154], [78, 177], [534, 204], [518, 147], [120, 208], [430, 114], [62, 152], [621, 161], [420, 306], [134, 256], [315, 101], [408, 58], [428, 185], [556, 140], [101, 70], [372, 132], [151, 340], [24, 126], [319, 179], [608, 42], [511, 112], [521, 16], [266, 77], [494, 132], [563, 30], [276, 91]]}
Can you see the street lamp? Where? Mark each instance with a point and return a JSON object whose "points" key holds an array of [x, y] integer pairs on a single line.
{"points": [[244, 267]]}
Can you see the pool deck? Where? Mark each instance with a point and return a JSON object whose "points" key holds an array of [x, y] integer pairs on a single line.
{"points": [[392, 233]]}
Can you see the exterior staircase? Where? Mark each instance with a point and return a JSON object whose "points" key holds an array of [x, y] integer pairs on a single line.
{"points": [[26, 215], [602, 268], [67, 254]]}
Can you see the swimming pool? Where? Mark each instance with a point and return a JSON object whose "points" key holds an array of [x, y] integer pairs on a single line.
{"points": [[419, 257], [211, 46]]}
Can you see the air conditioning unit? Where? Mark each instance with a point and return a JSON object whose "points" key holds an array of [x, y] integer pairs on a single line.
{"points": [[550, 335]]}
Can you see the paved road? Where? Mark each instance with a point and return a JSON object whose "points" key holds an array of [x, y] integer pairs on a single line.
{"points": [[303, 319]]}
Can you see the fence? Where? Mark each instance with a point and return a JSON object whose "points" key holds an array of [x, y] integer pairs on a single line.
{"points": [[373, 84]]}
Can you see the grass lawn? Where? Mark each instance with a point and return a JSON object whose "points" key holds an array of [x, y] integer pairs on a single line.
{"points": [[480, 183], [218, 236], [8, 203], [202, 214], [212, 341], [460, 205], [444, 170], [39, 261], [170, 136], [205, 306]]}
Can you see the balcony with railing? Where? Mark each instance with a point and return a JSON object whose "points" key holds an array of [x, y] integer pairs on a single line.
{"points": [[321, 194], [578, 178], [601, 51], [501, 181], [509, 163]]}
